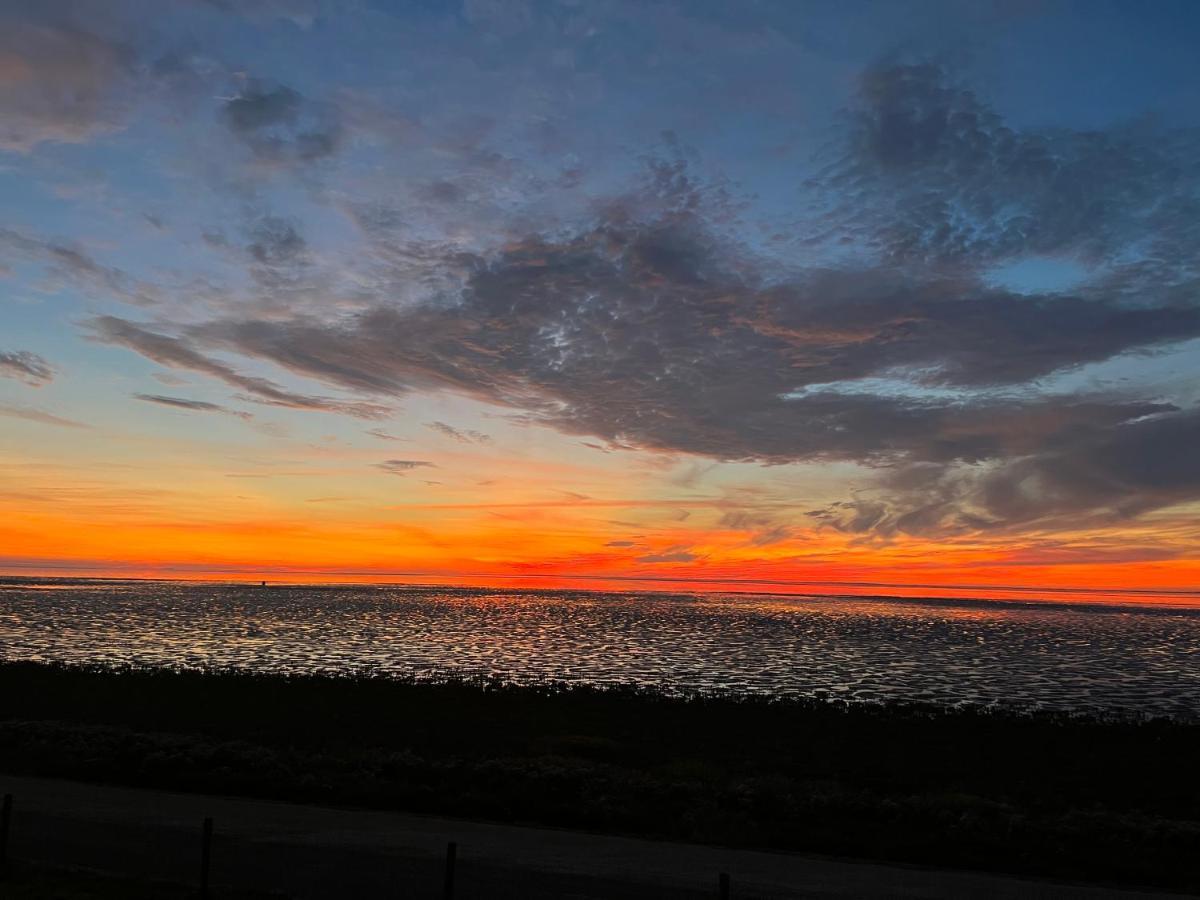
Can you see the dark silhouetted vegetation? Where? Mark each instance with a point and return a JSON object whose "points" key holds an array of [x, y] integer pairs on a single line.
{"points": [[1079, 797], [41, 882]]}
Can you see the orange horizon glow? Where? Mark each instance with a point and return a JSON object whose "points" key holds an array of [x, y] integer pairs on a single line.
{"points": [[545, 515], [587, 524]]}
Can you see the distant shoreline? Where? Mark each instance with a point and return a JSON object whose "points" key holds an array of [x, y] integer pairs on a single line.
{"points": [[1048, 794], [297, 576], [1140, 600]]}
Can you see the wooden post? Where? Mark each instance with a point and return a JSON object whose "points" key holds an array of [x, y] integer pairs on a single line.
{"points": [[723, 885], [451, 856], [205, 856], [5, 826]]}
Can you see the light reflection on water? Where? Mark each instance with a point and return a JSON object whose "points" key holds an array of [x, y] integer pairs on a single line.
{"points": [[1041, 655]]}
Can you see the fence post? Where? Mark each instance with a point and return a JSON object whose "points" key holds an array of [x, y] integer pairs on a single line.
{"points": [[723, 885], [205, 856], [451, 856], [5, 826]]}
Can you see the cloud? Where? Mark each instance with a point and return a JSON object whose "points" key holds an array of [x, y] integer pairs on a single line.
{"points": [[58, 84], [621, 544], [275, 242], [670, 555], [281, 126], [659, 336], [192, 405], [644, 324], [175, 352], [403, 466], [763, 529], [931, 174], [1087, 478], [36, 415], [24, 366], [75, 266], [464, 436], [169, 380], [383, 435]]}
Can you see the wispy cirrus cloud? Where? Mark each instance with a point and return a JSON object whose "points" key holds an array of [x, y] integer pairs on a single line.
{"points": [[463, 435], [31, 414], [190, 405], [175, 352], [404, 466], [74, 266], [27, 367], [383, 435]]}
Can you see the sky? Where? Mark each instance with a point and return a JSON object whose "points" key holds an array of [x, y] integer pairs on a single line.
{"points": [[716, 293]]}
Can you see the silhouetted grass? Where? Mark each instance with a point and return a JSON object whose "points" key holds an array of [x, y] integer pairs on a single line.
{"points": [[1041, 793]]}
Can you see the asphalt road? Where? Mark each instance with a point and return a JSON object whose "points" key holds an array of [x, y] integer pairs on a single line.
{"points": [[320, 852]]}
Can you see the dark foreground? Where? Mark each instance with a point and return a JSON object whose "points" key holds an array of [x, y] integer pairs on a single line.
{"points": [[1046, 795], [267, 851]]}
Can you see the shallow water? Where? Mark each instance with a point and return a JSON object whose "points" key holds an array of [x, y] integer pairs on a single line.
{"points": [[1072, 657]]}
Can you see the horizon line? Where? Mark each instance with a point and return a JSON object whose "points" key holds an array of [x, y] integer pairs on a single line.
{"points": [[689, 579]]}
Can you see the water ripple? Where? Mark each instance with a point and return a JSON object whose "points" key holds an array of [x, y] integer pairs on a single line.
{"points": [[858, 649]]}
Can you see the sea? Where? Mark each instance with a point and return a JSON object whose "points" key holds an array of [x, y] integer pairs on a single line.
{"points": [[1135, 657]]}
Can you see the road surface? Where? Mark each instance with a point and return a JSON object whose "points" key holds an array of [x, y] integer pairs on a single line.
{"points": [[305, 852]]}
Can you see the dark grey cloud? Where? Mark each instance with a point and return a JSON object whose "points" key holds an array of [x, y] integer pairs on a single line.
{"points": [[175, 352], [1083, 479], [661, 335], [933, 175], [256, 108], [403, 466], [24, 366], [190, 405], [657, 336], [1125, 471], [275, 242], [280, 125], [956, 331]]}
